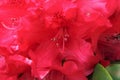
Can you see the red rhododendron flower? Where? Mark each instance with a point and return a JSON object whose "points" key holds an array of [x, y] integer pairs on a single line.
{"points": [[73, 62], [56, 39], [108, 43]]}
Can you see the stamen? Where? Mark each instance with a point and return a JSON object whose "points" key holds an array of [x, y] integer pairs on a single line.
{"points": [[57, 44], [54, 39], [61, 35]]}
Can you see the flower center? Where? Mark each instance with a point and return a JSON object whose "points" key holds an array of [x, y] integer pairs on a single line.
{"points": [[61, 38]]}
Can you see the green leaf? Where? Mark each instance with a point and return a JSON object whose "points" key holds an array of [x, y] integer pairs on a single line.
{"points": [[114, 70], [100, 73]]}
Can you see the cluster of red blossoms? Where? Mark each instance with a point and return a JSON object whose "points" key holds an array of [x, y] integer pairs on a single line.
{"points": [[57, 39]]}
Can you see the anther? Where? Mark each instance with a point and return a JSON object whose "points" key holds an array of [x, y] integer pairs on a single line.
{"points": [[57, 44], [54, 39]]}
